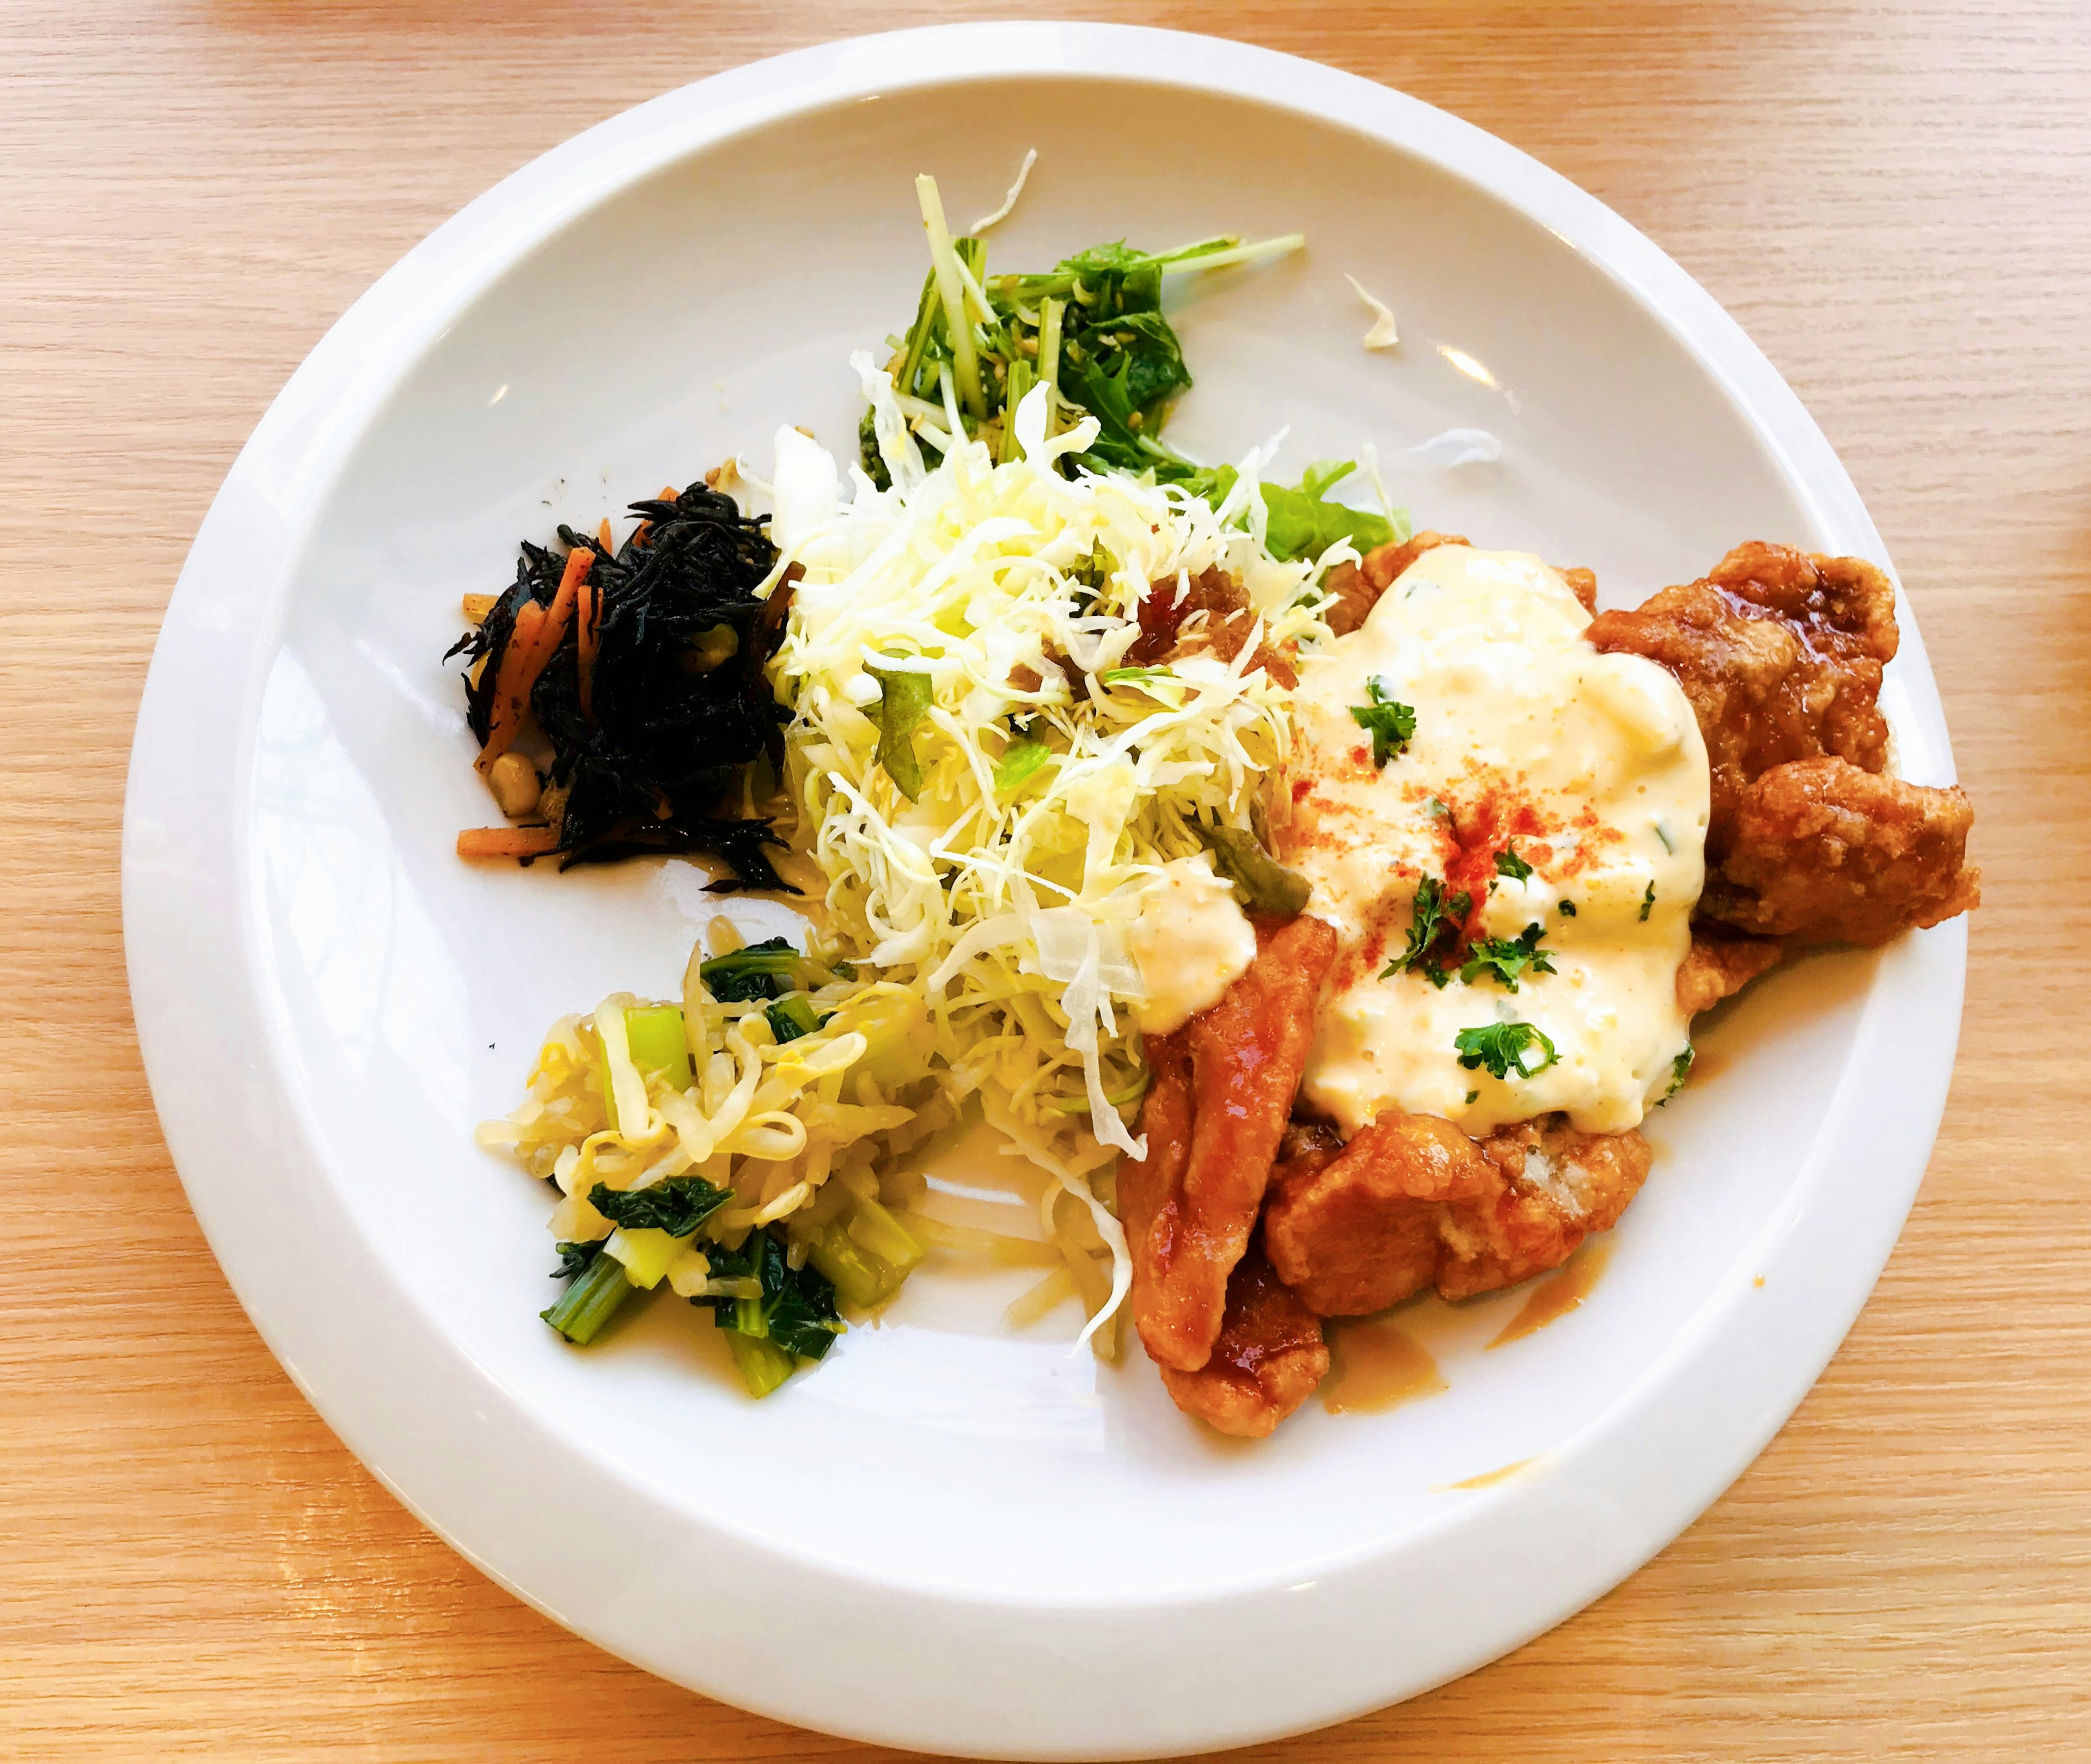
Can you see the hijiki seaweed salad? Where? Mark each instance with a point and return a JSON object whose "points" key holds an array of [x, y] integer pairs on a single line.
{"points": [[1314, 908], [944, 687]]}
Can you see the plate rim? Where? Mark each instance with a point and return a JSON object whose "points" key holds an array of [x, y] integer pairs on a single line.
{"points": [[255, 1185]]}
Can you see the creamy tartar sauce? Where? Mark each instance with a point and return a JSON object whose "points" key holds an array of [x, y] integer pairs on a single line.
{"points": [[1191, 940], [1589, 768]]}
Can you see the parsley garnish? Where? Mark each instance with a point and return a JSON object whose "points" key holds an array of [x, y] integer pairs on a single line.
{"points": [[1678, 1068], [1506, 958], [1390, 723], [1647, 901], [1510, 864], [1473, 1095], [1566, 909], [1435, 913], [1431, 806], [1503, 1048]]}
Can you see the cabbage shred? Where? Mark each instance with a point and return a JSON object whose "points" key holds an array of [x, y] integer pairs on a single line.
{"points": [[985, 831]]}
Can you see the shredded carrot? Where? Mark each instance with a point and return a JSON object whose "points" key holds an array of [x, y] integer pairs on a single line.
{"points": [[602, 534], [537, 646], [477, 606], [587, 613], [511, 690], [507, 841]]}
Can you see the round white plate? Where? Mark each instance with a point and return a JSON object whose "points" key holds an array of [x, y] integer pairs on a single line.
{"points": [[945, 1538]]}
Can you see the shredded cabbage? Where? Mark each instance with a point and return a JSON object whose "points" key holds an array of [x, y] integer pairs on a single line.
{"points": [[998, 890]]}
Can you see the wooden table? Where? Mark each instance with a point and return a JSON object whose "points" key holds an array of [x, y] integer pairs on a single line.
{"points": [[1894, 200]]}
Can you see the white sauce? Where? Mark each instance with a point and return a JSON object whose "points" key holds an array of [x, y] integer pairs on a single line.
{"points": [[1589, 767], [1191, 941]]}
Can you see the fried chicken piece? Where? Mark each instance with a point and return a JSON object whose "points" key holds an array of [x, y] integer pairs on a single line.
{"points": [[1583, 584], [1269, 1358], [1355, 1230], [1357, 586], [1412, 1201], [1559, 1185], [1780, 654], [1225, 630], [1217, 1107], [1824, 853], [1720, 964]]}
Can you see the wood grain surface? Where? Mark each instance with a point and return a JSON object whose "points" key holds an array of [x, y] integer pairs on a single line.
{"points": [[1895, 200]]}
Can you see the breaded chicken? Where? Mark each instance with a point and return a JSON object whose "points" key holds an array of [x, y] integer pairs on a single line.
{"points": [[1719, 964], [1220, 1094], [1412, 1201], [1823, 851], [1357, 586], [1780, 654], [1559, 1185], [1355, 1230], [1266, 1361]]}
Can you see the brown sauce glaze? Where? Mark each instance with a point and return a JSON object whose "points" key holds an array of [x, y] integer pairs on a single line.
{"points": [[1378, 1366], [1559, 1293]]}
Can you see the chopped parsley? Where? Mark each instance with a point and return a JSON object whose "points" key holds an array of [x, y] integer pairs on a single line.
{"points": [[1431, 806], [1566, 909], [1435, 913], [676, 1204], [1507, 957], [1473, 1096], [1510, 864], [1678, 1068], [1647, 903], [1390, 723], [1505, 1049]]}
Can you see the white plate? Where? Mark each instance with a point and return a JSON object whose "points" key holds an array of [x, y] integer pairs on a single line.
{"points": [[942, 1539]]}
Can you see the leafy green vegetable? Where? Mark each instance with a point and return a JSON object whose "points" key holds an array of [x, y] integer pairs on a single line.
{"points": [[903, 702], [791, 1018], [796, 1311], [1679, 1069], [1390, 723], [653, 1035], [576, 1258], [1262, 884], [1306, 522], [763, 1365], [1504, 1049], [1112, 676], [1506, 958], [676, 1204], [1434, 914], [759, 970], [1647, 903], [1092, 327], [591, 1301], [1510, 864], [1019, 760]]}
